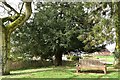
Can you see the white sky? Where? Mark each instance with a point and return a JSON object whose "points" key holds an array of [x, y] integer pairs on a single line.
{"points": [[111, 47], [13, 3]]}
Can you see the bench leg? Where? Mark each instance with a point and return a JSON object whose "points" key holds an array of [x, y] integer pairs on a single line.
{"points": [[77, 68], [105, 69]]}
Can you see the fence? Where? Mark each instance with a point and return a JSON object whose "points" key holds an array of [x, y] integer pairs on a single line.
{"points": [[14, 65]]}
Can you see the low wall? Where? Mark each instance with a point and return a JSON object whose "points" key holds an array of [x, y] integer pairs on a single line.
{"points": [[14, 65]]}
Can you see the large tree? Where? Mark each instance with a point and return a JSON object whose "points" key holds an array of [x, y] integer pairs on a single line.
{"points": [[54, 30], [13, 21], [95, 26]]}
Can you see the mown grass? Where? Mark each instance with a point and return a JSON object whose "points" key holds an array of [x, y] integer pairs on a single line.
{"points": [[106, 58], [62, 72]]}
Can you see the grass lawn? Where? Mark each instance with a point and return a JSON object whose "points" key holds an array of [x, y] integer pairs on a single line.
{"points": [[106, 58], [67, 72], [61, 72]]}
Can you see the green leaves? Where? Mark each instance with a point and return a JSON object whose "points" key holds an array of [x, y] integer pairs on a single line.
{"points": [[69, 26], [98, 29], [54, 28]]}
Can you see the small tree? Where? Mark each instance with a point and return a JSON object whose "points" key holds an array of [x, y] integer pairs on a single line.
{"points": [[117, 27], [14, 21]]}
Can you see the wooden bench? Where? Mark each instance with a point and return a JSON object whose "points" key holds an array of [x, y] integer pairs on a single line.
{"points": [[90, 64]]}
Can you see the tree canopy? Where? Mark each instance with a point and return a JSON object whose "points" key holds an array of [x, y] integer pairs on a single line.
{"points": [[57, 28]]}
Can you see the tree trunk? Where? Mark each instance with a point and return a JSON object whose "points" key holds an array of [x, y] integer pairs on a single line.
{"points": [[7, 30], [0, 47], [117, 63], [6, 54], [58, 59], [117, 26], [4, 51]]}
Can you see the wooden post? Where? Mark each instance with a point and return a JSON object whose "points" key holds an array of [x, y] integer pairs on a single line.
{"points": [[0, 47]]}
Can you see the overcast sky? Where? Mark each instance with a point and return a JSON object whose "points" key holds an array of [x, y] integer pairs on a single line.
{"points": [[13, 3]]}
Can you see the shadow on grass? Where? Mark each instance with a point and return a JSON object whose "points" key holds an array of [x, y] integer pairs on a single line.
{"points": [[29, 71]]}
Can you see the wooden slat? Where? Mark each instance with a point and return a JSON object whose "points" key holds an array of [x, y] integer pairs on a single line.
{"points": [[90, 64]]}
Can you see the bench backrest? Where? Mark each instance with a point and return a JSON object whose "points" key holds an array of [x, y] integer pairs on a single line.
{"points": [[89, 62]]}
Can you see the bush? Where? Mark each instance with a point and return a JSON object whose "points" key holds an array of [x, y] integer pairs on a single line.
{"points": [[117, 54], [68, 57], [74, 58]]}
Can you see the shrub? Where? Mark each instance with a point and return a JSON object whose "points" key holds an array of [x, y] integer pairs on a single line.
{"points": [[75, 58], [68, 57], [117, 54]]}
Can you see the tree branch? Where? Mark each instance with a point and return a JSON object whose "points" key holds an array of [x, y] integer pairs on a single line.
{"points": [[21, 8], [10, 18], [21, 19], [6, 4]]}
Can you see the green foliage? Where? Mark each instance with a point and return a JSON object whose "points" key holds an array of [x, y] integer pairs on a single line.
{"points": [[100, 30], [117, 54], [53, 29], [61, 27], [68, 57], [75, 58]]}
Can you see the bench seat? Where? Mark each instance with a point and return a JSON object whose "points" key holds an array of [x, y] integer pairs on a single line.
{"points": [[90, 64]]}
